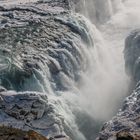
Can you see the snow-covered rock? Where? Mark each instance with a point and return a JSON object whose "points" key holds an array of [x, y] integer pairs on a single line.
{"points": [[43, 51], [28, 110]]}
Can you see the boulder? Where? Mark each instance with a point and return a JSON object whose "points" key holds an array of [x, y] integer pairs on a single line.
{"points": [[9, 133]]}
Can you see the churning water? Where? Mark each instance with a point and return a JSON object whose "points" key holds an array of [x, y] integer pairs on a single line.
{"points": [[105, 84], [97, 95]]}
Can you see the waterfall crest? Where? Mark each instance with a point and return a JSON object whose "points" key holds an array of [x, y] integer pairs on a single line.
{"points": [[98, 11]]}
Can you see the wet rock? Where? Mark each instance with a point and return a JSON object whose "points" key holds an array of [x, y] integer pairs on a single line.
{"points": [[132, 54]]}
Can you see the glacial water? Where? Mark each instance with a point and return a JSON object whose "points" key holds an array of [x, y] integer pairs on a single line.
{"points": [[102, 84]]}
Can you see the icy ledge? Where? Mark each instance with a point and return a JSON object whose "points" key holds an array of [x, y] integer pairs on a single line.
{"points": [[29, 111]]}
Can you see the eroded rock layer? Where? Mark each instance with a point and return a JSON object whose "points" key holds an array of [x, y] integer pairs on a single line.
{"points": [[42, 52]]}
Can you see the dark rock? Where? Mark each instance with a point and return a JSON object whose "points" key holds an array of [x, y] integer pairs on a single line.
{"points": [[131, 55], [9, 133]]}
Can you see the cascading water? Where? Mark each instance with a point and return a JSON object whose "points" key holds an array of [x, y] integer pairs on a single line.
{"points": [[83, 74], [99, 11], [104, 84]]}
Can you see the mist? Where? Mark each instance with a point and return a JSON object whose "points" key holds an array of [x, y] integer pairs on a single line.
{"points": [[98, 11], [105, 84]]}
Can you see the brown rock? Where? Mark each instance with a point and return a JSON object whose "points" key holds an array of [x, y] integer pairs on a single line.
{"points": [[9, 133], [127, 135]]}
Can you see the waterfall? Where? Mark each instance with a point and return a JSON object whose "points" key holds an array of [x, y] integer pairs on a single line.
{"points": [[102, 86], [99, 11], [83, 74], [105, 84]]}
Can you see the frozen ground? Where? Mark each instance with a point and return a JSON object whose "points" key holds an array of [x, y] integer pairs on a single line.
{"points": [[13, 2]]}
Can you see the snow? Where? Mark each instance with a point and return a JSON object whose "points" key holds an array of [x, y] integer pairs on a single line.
{"points": [[15, 2]]}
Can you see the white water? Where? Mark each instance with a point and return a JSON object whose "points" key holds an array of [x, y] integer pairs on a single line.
{"points": [[99, 11], [105, 83]]}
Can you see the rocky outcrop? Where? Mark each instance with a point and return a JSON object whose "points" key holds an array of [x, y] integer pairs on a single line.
{"points": [[9, 133], [40, 37], [29, 111], [42, 54], [126, 124]]}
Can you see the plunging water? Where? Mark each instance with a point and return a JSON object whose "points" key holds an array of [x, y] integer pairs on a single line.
{"points": [[102, 85]]}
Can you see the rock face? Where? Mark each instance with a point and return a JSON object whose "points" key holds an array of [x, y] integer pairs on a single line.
{"points": [[41, 40], [132, 55], [29, 111], [7, 133], [42, 53], [126, 124]]}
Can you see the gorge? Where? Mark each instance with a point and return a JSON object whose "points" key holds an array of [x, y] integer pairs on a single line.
{"points": [[64, 70]]}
